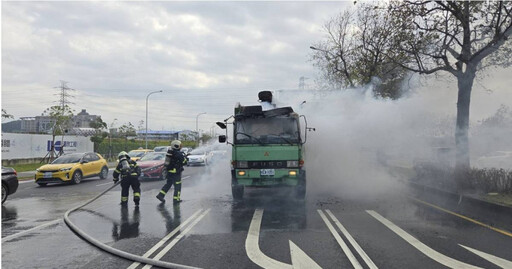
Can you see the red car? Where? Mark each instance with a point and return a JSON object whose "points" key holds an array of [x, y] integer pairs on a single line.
{"points": [[152, 165]]}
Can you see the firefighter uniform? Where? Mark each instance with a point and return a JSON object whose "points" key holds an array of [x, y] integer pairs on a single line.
{"points": [[174, 168], [129, 177]]}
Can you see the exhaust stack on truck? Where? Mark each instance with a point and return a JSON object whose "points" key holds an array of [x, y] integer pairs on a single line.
{"points": [[267, 147]]}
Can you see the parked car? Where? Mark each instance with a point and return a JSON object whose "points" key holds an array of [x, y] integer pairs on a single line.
{"points": [[9, 182], [185, 151], [161, 149], [198, 157], [152, 165], [136, 154], [72, 168], [496, 159]]}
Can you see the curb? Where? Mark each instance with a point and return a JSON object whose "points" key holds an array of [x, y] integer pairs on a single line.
{"points": [[493, 214], [462, 197]]}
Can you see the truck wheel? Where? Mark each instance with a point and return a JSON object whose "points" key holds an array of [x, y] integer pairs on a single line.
{"points": [[300, 189], [237, 191]]}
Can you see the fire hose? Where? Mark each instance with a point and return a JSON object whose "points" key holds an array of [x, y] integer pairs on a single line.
{"points": [[111, 250]]}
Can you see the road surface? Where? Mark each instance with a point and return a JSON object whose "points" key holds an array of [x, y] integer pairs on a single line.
{"points": [[268, 229]]}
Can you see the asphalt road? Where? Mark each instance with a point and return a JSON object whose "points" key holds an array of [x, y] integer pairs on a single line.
{"points": [[268, 229]]}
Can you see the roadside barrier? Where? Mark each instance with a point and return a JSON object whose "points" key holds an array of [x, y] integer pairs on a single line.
{"points": [[111, 250]]}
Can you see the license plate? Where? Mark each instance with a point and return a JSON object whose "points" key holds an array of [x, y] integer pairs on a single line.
{"points": [[48, 175], [267, 172]]}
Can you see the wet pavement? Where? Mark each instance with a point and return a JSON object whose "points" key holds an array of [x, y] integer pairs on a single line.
{"points": [[210, 230]]}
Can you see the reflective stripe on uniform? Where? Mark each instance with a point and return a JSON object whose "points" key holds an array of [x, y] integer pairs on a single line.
{"points": [[184, 160], [136, 194], [117, 171], [178, 182], [133, 174], [124, 199], [163, 192], [173, 171]]}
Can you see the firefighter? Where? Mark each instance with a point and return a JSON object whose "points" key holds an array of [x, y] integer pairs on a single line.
{"points": [[174, 162], [130, 173]]}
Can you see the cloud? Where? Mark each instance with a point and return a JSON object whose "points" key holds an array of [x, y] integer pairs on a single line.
{"points": [[205, 56]]}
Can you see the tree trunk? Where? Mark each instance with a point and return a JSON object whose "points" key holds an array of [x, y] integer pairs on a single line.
{"points": [[462, 162]]}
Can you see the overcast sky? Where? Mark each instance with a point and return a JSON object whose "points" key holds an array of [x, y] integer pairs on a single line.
{"points": [[205, 56]]}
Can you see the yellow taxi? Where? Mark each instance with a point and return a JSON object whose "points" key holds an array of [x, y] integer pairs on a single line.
{"points": [[72, 168], [136, 154]]}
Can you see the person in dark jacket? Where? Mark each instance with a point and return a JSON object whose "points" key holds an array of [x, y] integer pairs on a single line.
{"points": [[174, 162], [129, 172]]}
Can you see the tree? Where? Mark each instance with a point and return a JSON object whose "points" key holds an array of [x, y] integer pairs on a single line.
{"points": [[460, 38], [357, 51], [100, 126], [127, 129], [61, 119], [5, 115]]}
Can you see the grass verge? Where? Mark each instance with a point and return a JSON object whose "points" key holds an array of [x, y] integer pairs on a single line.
{"points": [[26, 167], [499, 198]]}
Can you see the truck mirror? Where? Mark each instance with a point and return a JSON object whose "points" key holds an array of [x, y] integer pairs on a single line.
{"points": [[222, 138], [221, 125]]}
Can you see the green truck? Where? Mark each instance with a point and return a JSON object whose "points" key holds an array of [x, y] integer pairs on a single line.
{"points": [[267, 148]]}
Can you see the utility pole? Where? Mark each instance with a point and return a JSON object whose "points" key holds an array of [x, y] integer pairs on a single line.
{"points": [[302, 83]]}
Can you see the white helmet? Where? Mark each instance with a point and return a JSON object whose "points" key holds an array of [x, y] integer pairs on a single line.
{"points": [[176, 144]]}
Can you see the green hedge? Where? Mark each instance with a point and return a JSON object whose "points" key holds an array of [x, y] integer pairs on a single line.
{"points": [[120, 144]]}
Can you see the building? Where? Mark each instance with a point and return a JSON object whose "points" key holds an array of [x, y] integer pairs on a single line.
{"points": [[83, 119], [158, 135], [44, 124]]}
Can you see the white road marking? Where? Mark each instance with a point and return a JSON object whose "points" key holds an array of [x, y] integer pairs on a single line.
{"points": [[496, 260], [434, 255], [185, 177], [26, 181], [7, 238], [300, 259], [352, 241], [177, 239], [252, 247], [342, 244], [105, 183], [166, 238]]}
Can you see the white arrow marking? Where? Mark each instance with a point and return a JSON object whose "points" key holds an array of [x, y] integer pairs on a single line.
{"points": [[496, 260], [252, 246], [300, 259], [434, 255]]}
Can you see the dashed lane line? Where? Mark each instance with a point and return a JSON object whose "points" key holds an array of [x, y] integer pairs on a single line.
{"points": [[177, 239], [434, 255], [342, 243], [496, 260], [10, 237], [352, 241], [166, 238]]}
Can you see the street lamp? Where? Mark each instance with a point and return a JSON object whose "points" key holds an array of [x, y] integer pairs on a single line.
{"points": [[147, 97], [197, 130]]}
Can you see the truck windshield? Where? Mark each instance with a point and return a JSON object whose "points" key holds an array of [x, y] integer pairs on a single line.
{"points": [[277, 130]]}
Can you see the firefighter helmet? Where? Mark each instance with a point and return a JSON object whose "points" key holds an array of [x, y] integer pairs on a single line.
{"points": [[176, 144], [122, 154]]}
